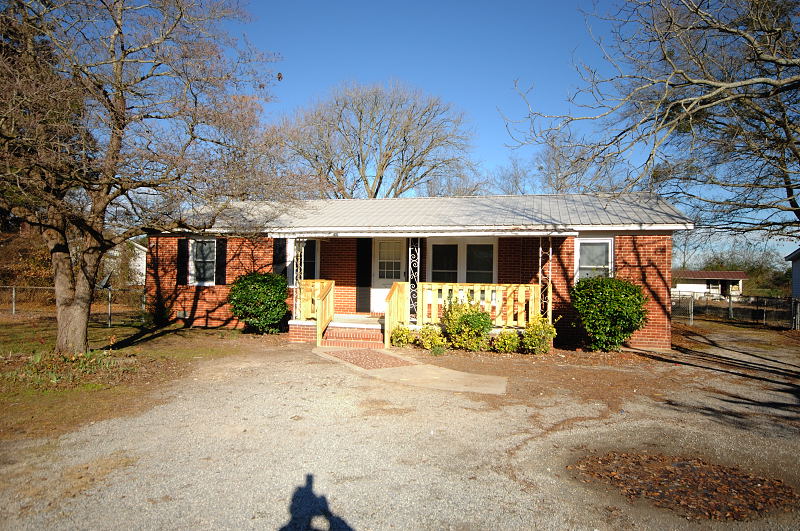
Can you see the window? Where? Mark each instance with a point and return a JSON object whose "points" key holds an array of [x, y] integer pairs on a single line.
{"points": [[279, 256], [203, 261], [470, 260], [480, 263], [310, 260], [444, 267], [390, 256], [593, 258]]}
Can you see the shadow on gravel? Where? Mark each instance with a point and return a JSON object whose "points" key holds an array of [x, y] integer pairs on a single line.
{"points": [[777, 378], [306, 506]]}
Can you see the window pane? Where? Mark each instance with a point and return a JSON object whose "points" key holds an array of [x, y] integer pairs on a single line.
{"points": [[389, 251], [203, 271], [444, 276], [479, 258], [480, 277], [589, 272], [445, 257], [594, 254], [204, 250], [310, 260]]}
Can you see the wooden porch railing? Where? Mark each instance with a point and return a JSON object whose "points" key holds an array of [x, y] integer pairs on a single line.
{"points": [[397, 308], [508, 304], [316, 302]]}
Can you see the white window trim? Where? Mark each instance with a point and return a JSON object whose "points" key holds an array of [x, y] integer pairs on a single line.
{"points": [[192, 280], [461, 274], [579, 241]]}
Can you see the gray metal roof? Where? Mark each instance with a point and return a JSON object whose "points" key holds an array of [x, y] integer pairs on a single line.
{"points": [[477, 214]]}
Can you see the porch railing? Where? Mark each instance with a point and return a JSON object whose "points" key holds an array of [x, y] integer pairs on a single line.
{"points": [[397, 308], [507, 304], [317, 302]]}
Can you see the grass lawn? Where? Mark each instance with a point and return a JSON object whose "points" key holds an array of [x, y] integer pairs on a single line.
{"points": [[42, 394]]}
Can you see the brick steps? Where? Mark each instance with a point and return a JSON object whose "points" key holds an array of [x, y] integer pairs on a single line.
{"points": [[352, 343], [354, 337]]}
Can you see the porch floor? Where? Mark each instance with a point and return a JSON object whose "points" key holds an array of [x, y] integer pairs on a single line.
{"points": [[357, 321]]}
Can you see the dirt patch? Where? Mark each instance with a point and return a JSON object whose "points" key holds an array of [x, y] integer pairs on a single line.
{"points": [[33, 483], [689, 486], [369, 359], [46, 395]]}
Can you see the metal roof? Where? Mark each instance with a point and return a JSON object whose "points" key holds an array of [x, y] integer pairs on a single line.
{"points": [[516, 214], [710, 275]]}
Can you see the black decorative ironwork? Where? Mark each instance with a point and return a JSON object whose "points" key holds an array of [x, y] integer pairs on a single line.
{"points": [[413, 272]]}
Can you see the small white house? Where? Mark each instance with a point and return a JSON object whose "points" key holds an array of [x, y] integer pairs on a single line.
{"points": [[709, 283], [794, 258]]}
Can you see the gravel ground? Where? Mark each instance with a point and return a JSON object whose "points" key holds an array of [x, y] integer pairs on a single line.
{"points": [[283, 438]]}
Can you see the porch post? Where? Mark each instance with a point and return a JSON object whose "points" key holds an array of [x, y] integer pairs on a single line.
{"points": [[299, 246], [413, 273], [545, 278]]}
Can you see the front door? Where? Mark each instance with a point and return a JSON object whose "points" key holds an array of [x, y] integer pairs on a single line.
{"points": [[388, 267]]}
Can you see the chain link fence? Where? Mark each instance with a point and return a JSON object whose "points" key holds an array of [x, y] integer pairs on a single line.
{"points": [[108, 305], [770, 311]]}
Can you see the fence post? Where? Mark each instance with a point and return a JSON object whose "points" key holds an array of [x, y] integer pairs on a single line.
{"points": [[730, 307], [109, 306], [13, 300], [796, 307], [691, 310]]}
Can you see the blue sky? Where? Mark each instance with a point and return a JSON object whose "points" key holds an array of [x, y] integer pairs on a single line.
{"points": [[467, 53]]}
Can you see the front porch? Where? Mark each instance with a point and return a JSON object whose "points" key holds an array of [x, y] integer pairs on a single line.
{"points": [[509, 305], [405, 281]]}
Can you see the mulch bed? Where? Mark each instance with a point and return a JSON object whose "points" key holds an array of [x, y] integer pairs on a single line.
{"points": [[689, 486], [369, 359]]}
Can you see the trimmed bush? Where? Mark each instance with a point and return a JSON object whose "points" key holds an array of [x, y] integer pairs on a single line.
{"points": [[401, 336], [431, 338], [259, 301], [610, 310], [466, 326], [506, 341], [537, 335]]}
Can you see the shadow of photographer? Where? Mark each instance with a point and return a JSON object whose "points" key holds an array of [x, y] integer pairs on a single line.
{"points": [[309, 512]]}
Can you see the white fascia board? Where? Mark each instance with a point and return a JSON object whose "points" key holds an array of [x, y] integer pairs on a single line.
{"points": [[428, 232], [416, 234]]}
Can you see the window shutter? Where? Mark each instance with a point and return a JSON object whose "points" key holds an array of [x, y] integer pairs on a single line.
{"points": [[183, 261], [279, 256], [220, 272]]}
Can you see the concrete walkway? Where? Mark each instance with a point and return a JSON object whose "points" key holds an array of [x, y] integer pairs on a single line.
{"points": [[421, 374]]}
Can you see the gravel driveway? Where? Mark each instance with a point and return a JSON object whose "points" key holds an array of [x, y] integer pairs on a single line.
{"points": [[283, 438]]}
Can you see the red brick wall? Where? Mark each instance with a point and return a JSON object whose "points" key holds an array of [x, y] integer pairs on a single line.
{"points": [[338, 263], [644, 260], [647, 261], [203, 305]]}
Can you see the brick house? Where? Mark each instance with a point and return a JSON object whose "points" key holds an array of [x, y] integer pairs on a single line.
{"points": [[355, 265]]}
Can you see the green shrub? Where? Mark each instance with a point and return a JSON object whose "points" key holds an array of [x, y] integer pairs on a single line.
{"points": [[537, 335], [466, 326], [402, 336], [610, 310], [259, 300], [431, 338], [506, 341]]}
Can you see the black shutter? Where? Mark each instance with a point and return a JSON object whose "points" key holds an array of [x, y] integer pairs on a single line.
{"points": [[220, 272], [279, 256], [363, 274], [183, 261]]}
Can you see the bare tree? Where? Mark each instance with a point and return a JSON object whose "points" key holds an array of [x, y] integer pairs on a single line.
{"points": [[700, 98], [376, 141], [120, 117]]}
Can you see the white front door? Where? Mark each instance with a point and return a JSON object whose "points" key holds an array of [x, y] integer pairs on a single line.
{"points": [[388, 267]]}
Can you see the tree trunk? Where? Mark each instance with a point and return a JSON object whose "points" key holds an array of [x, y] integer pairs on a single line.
{"points": [[74, 289]]}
